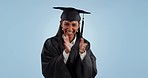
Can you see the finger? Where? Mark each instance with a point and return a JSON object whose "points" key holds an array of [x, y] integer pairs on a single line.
{"points": [[67, 47], [85, 44], [82, 40], [67, 50], [66, 38]]}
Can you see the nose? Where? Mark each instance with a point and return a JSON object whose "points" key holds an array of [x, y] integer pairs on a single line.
{"points": [[70, 28]]}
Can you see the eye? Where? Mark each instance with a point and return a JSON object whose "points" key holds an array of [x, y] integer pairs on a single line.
{"points": [[66, 24], [74, 25]]}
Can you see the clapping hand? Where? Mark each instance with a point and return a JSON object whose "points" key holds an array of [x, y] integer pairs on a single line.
{"points": [[82, 46], [67, 44]]}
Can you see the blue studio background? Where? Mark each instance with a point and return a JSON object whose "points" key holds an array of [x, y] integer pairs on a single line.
{"points": [[117, 30]]}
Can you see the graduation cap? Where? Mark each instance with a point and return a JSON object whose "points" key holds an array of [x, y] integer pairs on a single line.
{"points": [[72, 14]]}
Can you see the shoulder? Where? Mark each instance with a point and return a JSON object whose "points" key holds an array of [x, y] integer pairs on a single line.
{"points": [[50, 41]]}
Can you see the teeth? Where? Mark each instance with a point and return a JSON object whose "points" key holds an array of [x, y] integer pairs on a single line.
{"points": [[69, 32]]}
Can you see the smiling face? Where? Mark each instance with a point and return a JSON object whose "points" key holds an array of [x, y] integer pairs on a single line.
{"points": [[70, 28]]}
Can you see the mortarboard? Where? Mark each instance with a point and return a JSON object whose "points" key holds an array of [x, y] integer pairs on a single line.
{"points": [[72, 14]]}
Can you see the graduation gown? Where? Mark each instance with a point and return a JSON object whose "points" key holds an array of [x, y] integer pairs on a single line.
{"points": [[53, 65]]}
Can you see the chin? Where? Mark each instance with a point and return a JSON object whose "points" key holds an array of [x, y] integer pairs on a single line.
{"points": [[71, 35]]}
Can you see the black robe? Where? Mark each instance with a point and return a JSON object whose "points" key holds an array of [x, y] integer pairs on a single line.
{"points": [[53, 65]]}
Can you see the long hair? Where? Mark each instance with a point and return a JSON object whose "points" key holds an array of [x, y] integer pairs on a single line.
{"points": [[59, 34]]}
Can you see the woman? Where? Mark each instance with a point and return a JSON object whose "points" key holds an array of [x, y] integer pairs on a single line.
{"points": [[66, 55]]}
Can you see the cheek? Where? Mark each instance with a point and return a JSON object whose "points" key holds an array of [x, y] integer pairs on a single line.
{"points": [[76, 28], [64, 28]]}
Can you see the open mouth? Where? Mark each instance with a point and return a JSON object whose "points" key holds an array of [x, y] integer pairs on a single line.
{"points": [[69, 32]]}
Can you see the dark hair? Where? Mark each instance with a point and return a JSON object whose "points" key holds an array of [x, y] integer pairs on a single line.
{"points": [[58, 36]]}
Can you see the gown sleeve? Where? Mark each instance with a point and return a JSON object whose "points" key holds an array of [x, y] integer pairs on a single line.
{"points": [[85, 68], [89, 69], [89, 65], [53, 65]]}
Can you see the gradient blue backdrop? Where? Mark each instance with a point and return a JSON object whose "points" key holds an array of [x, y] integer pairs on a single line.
{"points": [[117, 30]]}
